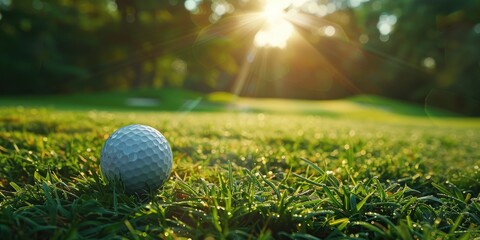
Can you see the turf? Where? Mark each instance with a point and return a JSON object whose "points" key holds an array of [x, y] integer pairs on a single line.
{"points": [[174, 99], [314, 173], [165, 99]]}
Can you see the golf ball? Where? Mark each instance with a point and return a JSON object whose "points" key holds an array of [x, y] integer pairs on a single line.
{"points": [[137, 155]]}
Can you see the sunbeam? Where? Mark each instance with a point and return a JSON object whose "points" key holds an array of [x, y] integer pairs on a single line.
{"points": [[267, 31], [244, 71]]}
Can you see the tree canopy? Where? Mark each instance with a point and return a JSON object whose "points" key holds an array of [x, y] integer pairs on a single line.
{"points": [[425, 51]]}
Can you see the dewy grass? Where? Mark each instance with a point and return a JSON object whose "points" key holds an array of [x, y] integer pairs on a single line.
{"points": [[242, 176]]}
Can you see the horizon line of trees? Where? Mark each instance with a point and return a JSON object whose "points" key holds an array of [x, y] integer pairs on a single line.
{"points": [[424, 51]]}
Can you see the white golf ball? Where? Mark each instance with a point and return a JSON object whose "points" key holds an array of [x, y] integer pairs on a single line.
{"points": [[137, 155]]}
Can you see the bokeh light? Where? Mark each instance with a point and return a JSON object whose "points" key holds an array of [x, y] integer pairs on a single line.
{"points": [[385, 23], [429, 63]]}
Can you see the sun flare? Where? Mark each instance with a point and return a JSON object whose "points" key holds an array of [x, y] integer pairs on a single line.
{"points": [[274, 10], [276, 30]]}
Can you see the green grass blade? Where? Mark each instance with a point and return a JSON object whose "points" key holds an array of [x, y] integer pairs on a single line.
{"points": [[230, 176], [370, 227], [430, 198], [186, 187], [332, 197], [271, 185], [16, 187], [131, 229], [381, 191], [456, 223], [309, 181], [360, 205], [340, 223], [442, 189], [254, 179], [313, 165]]}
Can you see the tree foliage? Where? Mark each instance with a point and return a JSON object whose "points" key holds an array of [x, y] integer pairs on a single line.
{"points": [[428, 53], [436, 45]]}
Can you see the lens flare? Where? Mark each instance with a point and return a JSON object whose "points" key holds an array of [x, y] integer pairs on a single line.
{"points": [[274, 35], [264, 35], [276, 30], [274, 10]]}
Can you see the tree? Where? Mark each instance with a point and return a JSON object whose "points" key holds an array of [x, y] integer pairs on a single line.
{"points": [[48, 47], [413, 50], [431, 53]]}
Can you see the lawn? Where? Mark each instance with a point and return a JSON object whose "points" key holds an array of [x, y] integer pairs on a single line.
{"points": [[363, 168]]}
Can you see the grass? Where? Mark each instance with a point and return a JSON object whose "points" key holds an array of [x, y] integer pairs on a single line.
{"points": [[172, 99], [166, 99], [338, 170]]}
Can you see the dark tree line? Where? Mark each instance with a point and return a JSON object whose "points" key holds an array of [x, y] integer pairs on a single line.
{"points": [[424, 51]]}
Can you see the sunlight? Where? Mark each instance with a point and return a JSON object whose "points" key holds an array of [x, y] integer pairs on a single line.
{"points": [[274, 10], [276, 30], [274, 35], [278, 23]]}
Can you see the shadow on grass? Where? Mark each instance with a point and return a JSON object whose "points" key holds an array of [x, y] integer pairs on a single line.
{"points": [[399, 107]]}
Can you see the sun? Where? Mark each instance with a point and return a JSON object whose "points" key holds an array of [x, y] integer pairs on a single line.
{"points": [[276, 29], [274, 10]]}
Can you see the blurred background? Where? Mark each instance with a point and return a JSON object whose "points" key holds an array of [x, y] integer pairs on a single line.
{"points": [[422, 51]]}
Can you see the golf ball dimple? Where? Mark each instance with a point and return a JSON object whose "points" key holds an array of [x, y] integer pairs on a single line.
{"points": [[137, 155]]}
